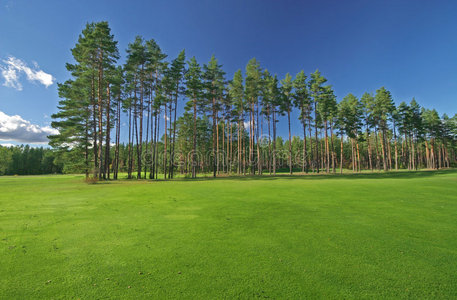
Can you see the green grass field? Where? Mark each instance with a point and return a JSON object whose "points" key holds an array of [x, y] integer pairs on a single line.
{"points": [[388, 235]]}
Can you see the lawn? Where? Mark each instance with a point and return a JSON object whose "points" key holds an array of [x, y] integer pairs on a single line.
{"points": [[388, 235]]}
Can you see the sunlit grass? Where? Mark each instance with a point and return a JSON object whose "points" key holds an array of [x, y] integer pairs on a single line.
{"points": [[352, 236]]}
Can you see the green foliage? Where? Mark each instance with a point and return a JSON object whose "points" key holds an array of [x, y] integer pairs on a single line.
{"points": [[236, 90], [213, 78], [350, 110], [25, 160], [194, 84], [383, 107], [253, 80], [83, 99], [99, 93], [301, 96], [286, 90]]}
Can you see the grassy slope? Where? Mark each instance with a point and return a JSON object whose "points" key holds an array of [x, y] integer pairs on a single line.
{"points": [[391, 235]]}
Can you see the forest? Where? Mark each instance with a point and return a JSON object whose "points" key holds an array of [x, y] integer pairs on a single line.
{"points": [[26, 160], [228, 126]]}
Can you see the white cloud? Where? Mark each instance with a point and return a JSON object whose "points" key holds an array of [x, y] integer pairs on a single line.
{"points": [[6, 145], [15, 128], [12, 68], [246, 124]]}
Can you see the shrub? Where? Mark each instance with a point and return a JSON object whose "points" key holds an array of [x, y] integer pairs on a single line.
{"points": [[91, 180]]}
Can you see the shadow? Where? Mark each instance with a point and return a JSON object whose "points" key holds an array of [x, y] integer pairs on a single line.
{"points": [[347, 176], [402, 174]]}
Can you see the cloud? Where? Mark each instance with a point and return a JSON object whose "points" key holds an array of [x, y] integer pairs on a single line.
{"points": [[12, 68], [15, 128], [6, 145]]}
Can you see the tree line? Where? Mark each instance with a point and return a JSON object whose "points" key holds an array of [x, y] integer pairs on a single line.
{"points": [[228, 126], [26, 160]]}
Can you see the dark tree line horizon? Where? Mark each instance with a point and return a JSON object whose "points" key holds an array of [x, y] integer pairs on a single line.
{"points": [[228, 126], [26, 160]]}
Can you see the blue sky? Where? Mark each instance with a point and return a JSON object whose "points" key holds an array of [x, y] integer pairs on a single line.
{"points": [[410, 47]]}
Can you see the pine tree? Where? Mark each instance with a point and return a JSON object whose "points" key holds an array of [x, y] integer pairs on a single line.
{"points": [[316, 89], [194, 92], [287, 105], [95, 56], [303, 103], [349, 118], [236, 90], [214, 84], [252, 92], [383, 107], [367, 108], [177, 69], [327, 108]]}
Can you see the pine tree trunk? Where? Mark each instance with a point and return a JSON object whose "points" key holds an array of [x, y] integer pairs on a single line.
{"points": [[251, 152], [165, 165], [311, 156], [369, 149], [327, 148], [439, 156], [214, 138], [427, 155], [358, 154], [94, 121], [269, 144], [129, 169], [217, 144], [194, 139], [383, 148], [239, 146], [315, 135], [147, 138], [107, 143], [100, 115], [223, 147], [118, 128], [413, 153], [274, 143], [304, 164], [229, 141], [172, 158], [396, 150], [140, 142], [290, 144], [86, 144], [135, 126], [352, 155], [388, 154], [259, 157], [170, 139], [378, 161], [341, 155], [154, 146], [333, 148], [156, 160], [322, 146]]}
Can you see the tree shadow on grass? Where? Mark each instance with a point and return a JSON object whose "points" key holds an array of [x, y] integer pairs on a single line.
{"points": [[402, 174], [346, 176]]}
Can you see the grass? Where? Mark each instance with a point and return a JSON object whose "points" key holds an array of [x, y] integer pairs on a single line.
{"points": [[383, 235]]}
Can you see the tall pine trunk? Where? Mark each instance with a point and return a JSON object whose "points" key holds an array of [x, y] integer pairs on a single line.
{"points": [[194, 139], [108, 130], [290, 143]]}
